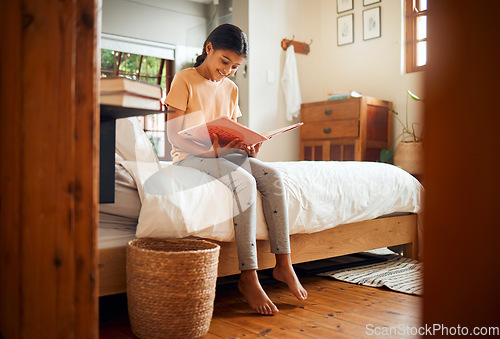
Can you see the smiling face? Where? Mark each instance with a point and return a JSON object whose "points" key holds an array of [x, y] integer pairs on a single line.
{"points": [[220, 63]]}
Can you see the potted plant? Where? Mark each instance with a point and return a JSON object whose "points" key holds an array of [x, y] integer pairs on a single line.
{"points": [[409, 153]]}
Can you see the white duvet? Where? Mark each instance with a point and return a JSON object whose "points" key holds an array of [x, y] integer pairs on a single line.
{"points": [[179, 201]]}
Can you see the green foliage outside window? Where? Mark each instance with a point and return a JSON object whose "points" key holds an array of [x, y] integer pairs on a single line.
{"points": [[143, 68], [133, 66]]}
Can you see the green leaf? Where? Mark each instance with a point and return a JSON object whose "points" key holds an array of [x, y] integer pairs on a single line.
{"points": [[393, 111], [386, 155], [413, 96]]}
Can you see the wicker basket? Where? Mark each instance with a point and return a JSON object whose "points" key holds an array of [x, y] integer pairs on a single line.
{"points": [[171, 287], [410, 157]]}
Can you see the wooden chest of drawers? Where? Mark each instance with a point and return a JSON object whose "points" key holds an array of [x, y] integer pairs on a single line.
{"points": [[345, 129]]}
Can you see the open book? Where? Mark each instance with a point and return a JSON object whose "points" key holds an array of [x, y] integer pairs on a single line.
{"points": [[228, 129]]}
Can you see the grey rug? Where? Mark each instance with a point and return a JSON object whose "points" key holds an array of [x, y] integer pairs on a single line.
{"points": [[397, 273]]}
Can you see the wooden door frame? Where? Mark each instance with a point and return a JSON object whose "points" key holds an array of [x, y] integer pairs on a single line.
{"points": [[461, 173], [49, 149]]}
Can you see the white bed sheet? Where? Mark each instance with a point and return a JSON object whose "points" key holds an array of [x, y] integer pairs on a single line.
{"points": [[179, 201], [112, 237]]}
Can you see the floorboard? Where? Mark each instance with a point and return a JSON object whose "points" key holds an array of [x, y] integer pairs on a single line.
{"points": [[334, 309]]}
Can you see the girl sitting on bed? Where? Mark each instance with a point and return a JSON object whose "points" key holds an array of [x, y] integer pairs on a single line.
{"points": [[201, 94]]}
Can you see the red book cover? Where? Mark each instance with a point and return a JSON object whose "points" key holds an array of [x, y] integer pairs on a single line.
{"points": [[228, 129]]}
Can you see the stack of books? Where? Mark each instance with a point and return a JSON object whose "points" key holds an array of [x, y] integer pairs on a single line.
{"points": [[130, 93], [343, 95]]}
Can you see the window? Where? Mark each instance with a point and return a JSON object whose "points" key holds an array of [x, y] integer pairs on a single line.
{"points": [[416, 35], [150, 69]]}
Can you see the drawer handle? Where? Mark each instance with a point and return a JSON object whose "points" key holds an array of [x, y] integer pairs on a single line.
{"points": [[328, 112], [327, 130]]}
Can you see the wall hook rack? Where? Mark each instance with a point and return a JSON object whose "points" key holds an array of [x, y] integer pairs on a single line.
{"points": [[300, 47]]}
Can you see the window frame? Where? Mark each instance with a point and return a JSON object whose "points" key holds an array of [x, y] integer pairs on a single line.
{"points": [[411, 40], [149, 123], [146, 48]]}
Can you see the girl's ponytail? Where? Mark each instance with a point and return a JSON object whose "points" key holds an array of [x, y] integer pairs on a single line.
{"points": [[225, 36], [201, 58]]}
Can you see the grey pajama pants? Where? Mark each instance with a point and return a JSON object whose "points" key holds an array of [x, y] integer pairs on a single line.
{"points": [[244, 176]]}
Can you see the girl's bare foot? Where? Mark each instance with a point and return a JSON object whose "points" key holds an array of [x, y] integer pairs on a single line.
{"points": [[252, 290], [284, 272]]}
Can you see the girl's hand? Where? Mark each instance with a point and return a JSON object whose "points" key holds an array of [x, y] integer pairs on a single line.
{"points": [[252, 150], [218, 151]]}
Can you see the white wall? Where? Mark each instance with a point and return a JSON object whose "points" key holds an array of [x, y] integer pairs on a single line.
{"points": [[242, 78], [372, 67], [157, 20], [178, 22], [269, 23]]}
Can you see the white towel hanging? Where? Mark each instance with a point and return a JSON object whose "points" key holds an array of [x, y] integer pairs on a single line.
{"points": [[290, 85]]}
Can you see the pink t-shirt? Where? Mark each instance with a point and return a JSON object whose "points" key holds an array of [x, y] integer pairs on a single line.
{"points": [[202, 100]]}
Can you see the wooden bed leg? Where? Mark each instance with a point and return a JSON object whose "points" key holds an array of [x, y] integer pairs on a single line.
{"points": [[410, 251]]}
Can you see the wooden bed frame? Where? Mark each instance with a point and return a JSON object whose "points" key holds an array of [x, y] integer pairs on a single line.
{"points": [[337, 241]]}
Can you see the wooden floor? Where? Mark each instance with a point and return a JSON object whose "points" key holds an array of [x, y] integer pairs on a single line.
{"points": [[333, 310]]}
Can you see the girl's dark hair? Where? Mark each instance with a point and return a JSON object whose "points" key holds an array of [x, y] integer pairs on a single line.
{"points": [[225, 36]]}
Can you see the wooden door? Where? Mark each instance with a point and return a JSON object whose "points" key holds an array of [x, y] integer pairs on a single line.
{"points": [[49, 132], [462, 181]]}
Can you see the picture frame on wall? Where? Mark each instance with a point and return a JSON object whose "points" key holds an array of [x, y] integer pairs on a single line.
{"points": [[344, 5], [371, 23], [370, 2], [345, 29]]}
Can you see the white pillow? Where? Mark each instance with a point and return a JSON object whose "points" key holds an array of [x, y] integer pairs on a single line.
{"points": [[178, 201], [132, 144], [127, 203]]}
